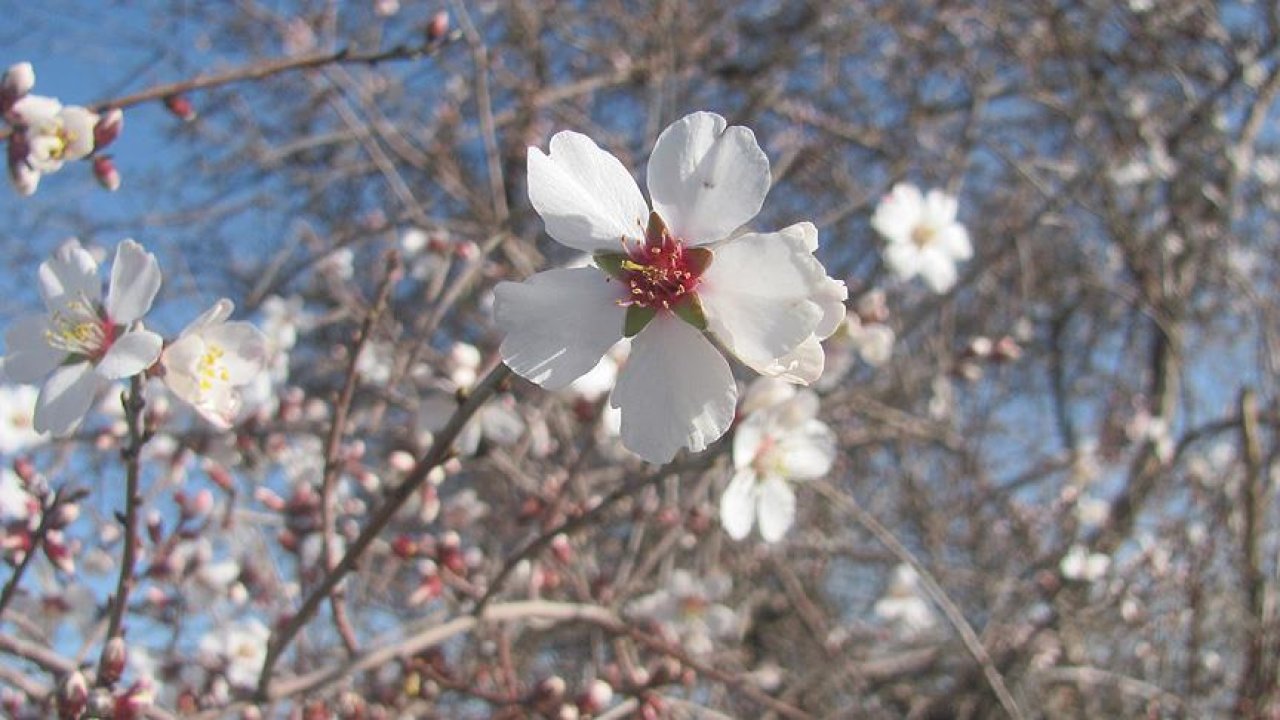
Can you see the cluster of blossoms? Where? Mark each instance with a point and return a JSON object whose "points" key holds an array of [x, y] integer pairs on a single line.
{"points": [[779, 441], [678, 279], [44, 134], [84, 342]]}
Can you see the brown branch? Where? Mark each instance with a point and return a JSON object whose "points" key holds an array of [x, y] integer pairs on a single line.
{"points": [[441, 450]]}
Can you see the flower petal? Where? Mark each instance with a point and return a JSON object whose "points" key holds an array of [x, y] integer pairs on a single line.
{"points": [[899, 212], [803, 366], [808, 451], [558, 324], [954, 241], [707, 180], [66, 397], [938, 271], [775, 508], [71, 274], [135, 280], [585, 196], [245, 349], [130, 354], [30, 356], [757, 296], [738, 505], [675, 391]]}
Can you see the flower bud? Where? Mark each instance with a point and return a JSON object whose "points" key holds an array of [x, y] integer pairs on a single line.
{"points": [[108, 128], [596, 697], [438, 26], [18, 81], [104, 170], [181, 107], [113, 660], [73, 695]]}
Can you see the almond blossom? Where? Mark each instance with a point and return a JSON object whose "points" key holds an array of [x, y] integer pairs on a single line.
{"points": [[778, 444], [211, 360], [903, 606], [677, 279], [84, 342], [922, 235], [17, 419], [240, 649]]}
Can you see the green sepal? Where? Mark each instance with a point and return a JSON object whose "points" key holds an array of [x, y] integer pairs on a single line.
{"points": [[611, 263], [689, 309], [699, 259], [637, 317]]}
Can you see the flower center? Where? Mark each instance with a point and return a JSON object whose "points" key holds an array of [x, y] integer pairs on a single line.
{"points": [[211, 370], [923, 235], [81, 330], [660, 274]]}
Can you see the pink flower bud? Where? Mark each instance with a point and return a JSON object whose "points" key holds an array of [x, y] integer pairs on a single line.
{"points": [[113, 660], [562, 548], [104, 170], [181, 107], [18, 81], [596, 697], [73, 695], [107, 128], [438, 26]]}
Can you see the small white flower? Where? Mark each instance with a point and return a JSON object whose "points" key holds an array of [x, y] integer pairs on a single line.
{"points": [[376, 362], [922, 235], [903, 606], [690, 610], [241, 648], [771, 448], [46, 134], [663, 278], [17, 419], [1080, 564], [211, 360], [84, 342], [16, 504]]}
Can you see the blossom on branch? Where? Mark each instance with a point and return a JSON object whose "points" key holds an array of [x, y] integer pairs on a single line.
{"points": [[212, 360], [84, 342], [677, 279], [774, 446], [922, 235]]}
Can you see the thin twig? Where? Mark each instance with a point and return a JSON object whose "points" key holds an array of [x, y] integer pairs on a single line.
{"points": [[441, 450], [342, 407], [935, 592], [133, 406], [48, 516]]}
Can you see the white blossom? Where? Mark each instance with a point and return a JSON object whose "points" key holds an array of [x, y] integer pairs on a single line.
{"points": [[240, 648], [211, 360], [922, 235], [665, 278], [772, 448], [689, 608], [903, 605], [17, 419], [84, 342]]}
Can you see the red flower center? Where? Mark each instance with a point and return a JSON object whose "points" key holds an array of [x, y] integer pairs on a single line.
{"points": [[660, 274]]}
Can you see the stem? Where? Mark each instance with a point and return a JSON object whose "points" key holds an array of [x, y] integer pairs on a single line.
{"points": [[935, 592], [133, 406], [440, 451], [47, 517]]}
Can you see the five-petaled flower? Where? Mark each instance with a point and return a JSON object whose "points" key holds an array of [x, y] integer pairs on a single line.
{"points": [[211, 360], [922, 235], [84, 342], [667, 278], [772, 447]]}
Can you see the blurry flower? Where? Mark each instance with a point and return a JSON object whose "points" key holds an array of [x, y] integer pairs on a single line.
{"points": [[922, 234], [17, 505], [376, 361], [17, 419], [689, 609], [872, 341], [903, 606], [497, 421], [663, 278], [765, 392], [211, 360], [1080, 564], [771, 448], [241, 648], [45, 135], [84, 342]]}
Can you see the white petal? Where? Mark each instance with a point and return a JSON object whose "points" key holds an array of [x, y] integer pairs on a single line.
{"points": [[899, 212], [738, 505], [750, 438], [245, 347], [585, 196], [830, 297], [675, 391], [135, 280], [941, 207], [558, 324], [954, 241], [707, 180], [765, 392], [775, 508], [30, 356], [938, 271], [809, 451], [66, 397], [34, 110], [71, 274], [903, 259], [78, 124], [217, 313], [757, 296], [804, 365], [130, 354]]}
